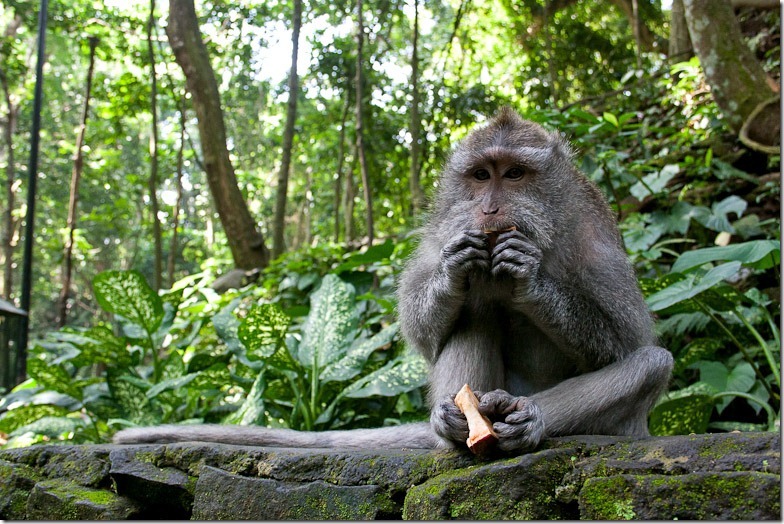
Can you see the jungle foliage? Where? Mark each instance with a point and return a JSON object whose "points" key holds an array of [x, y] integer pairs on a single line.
{"points": [[311, 341]]}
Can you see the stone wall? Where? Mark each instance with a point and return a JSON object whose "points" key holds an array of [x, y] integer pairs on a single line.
{"points": [[716, 477]]}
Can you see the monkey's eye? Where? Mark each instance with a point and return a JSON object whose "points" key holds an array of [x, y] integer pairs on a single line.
{"points": [[482, 174], [514, 173]]}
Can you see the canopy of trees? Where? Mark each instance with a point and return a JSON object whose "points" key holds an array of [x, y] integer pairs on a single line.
{"points": [[276, 144]]}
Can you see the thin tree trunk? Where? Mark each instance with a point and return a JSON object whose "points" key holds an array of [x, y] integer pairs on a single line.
{"points": [[636, 34], [245, 241], [680, 43], [738, 82], [341, 163], [153, 181], [415, 127], [348, 203], [552, 68], [10, 171], [279, 227], [363, 165], [170, 266], [8, 213], [76, 174]]}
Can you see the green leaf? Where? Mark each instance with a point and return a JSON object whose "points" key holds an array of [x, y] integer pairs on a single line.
{"points": [[398, 376], [716, 218], [683, 411], [331, 324], [49, 426], [741, 378], [126, 293], [691, 286], [698, 349], [53, 377], [351, 364], [654, 183], [251, 412], [761, 254], [264, 330], [372, 255], [611, 118], [23, 415], [171, 384], [129, 395], [226, 327]]}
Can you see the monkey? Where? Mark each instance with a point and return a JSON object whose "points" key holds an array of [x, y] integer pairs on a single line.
{"points": [[520, 287]]}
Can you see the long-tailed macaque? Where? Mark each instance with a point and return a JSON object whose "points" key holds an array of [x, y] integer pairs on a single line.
{"points": [[520, 287]]}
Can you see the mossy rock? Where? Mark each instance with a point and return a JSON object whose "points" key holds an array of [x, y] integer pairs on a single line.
{"points": [[224, 496], [66, 500], [522, 488], [694, 496]]}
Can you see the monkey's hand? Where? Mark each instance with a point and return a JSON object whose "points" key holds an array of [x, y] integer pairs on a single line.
{"points": [[515, 255], [465, 252], [518, 421], [448, 421]]}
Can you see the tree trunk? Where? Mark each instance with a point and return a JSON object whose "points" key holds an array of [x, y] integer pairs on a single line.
{"points": [[341, 163], [73, 202], [680, 43], [153, 181], [737, 80], [348, 203], [363, 165], [8, 214], [170, 265], [245, 241], [645, 38], [417, 195], [9, 129], [279, 226]]}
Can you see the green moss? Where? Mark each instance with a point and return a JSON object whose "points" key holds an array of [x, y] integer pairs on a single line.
{"points": [[607, 498]]}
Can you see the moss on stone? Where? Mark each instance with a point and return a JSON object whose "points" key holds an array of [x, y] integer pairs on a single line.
{"points": [[607, 498]]}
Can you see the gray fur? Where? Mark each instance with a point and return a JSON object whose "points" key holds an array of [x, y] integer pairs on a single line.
{"points": [[552, 323], [548, 326]]}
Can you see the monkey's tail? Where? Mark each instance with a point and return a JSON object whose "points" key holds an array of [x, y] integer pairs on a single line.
{"points": [[417, 435]]}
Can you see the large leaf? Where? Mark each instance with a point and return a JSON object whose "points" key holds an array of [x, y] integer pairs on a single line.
{"points": [[126, 293], [684, 411], [741, 378], [716, 218], [263, 331], [399, 376], [53, 377], [761, 254], [351, 364], [331, 324], [691, 286]]}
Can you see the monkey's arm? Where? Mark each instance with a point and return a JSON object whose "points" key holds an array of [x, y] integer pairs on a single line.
{"points": [[433, 288], [594, 312]]}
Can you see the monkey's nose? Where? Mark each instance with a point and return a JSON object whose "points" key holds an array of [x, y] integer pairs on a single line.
{"points": [[492, 212]]}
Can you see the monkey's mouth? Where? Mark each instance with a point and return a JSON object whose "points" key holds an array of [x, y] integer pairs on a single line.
{"points": [[497, 230], [493, 232]]}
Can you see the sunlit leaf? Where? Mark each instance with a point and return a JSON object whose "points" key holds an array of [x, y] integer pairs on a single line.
{"points": [[761, 254], [127, 293], [331, 324]]}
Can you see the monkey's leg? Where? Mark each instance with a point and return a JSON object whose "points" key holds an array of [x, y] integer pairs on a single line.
{"points": [[471, 356], [614, 400]]}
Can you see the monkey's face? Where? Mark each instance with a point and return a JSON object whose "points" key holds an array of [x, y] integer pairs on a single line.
{"points": [[497, 180]]}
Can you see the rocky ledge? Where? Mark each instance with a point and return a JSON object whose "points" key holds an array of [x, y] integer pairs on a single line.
{"points": [[715, 477]]}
